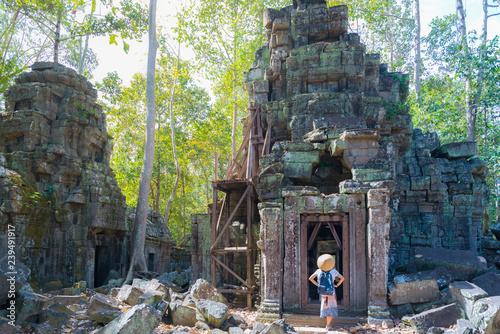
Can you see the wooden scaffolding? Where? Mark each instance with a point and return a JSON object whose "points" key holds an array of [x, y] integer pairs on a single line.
{"points": [[237, 185]]}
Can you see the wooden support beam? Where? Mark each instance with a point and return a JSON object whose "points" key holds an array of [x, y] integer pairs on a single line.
{"points": [[313, 236], [345, 252], [220, 213], [226, 225], [213, 233], [230, 271], [335, 235]]}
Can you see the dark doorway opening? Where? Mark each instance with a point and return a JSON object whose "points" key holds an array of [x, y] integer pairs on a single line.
{"points": [[102, 265], [325, 234], [151, 262]]}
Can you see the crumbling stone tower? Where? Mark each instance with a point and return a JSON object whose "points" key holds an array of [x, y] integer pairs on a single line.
{"points": [[56, 186], [347, 173]]}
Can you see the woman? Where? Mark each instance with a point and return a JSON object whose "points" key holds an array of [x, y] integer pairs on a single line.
{"points": [[326, 263]]}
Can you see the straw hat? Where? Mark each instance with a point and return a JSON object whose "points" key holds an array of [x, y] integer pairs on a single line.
{"points": [[326, 262]]}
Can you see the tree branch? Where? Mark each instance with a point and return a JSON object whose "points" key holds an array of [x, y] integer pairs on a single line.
{"points": [[385, 14], [493, 15]]}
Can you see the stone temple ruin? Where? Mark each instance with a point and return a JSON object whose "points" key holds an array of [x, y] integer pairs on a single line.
{"points": [[56, 186], [331, 163]]}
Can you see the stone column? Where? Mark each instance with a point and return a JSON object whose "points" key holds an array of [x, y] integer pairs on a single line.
{"points": [[270, 244], [378, 255]]}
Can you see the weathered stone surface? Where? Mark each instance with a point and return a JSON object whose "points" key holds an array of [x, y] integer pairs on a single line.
{"points": [[486, 315], [466, 294], [457, 150], [204, 290], [8, 284], [29, 305], [440, 274], [444, 316], [69, 300], [182, 315], [461, 264], [54, 318], [53, 139], [489, 282], [104, 317], [100, 301], [139, 319], [129, 294], [215, 313], [152, 298], [6, 327], [495, 229], [155, 285], [465, 327], [414, 292]]}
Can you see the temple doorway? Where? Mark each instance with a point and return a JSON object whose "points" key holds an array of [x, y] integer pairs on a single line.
{"points": [[321, 234]]}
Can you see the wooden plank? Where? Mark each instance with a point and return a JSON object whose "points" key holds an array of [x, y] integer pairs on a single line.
{"points": [[268, 144], [230, 170], [335, 235], [231, 272], [220, 272], [213, 233], [313, 236], [346, 265], [228, 250], [249, 262], [220, 213], [226, 225], [303, 264], [322, 218], [266, 139]]}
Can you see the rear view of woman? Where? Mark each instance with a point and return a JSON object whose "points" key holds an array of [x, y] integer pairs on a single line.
{"points": [[326, 275]]}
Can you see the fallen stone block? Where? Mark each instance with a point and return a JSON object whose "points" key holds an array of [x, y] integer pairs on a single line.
{"points": [[104, 317], [441, 275], [465, 327], [462, 265], [6, 327], [100, 301], [151, 298], [129, 294], [139, 283], [400, 311], [495, 229], [204, 290], [57, 315], [202, 326], [465, 150], [156, 285], [167, 278], [486, 315], [20, 279], [414, 292], [30, 305], [69, 300], [237, 320], [182, 315], [444, 316], [235, 330], [489, 282], [139, 319], [215, 313], [466, 294], [162, 307]]}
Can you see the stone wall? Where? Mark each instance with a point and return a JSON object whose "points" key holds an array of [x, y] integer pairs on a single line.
{"points": [[341, 133], [56, 186]]}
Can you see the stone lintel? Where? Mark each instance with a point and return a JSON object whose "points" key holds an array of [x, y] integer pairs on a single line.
{"points": [[360, 134]]}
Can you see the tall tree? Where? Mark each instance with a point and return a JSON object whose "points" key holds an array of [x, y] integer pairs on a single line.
{"points": [[418, 58], [138, 260]]}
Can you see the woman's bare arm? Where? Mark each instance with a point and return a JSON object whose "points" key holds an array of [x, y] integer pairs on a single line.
{"points": [[312, 279], [340, 281]]}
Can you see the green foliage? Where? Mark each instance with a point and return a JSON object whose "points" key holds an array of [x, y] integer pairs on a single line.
{"points": [[374, 21], [197, 129]]}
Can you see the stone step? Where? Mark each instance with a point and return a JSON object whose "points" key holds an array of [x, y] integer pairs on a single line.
{"points": [[309, 321]]}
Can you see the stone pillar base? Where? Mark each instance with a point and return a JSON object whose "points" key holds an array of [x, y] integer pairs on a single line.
{"points": [[379, 316], [269, 311]]}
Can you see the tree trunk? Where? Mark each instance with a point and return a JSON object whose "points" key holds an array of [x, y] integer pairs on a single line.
{"points": [[417, 50], [235, 116], [57, 36], [83, 55], [174, 147], [138, 260], [469, 106]]}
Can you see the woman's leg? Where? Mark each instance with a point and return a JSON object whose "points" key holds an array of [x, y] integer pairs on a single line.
{"points": [[331, 300]]}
